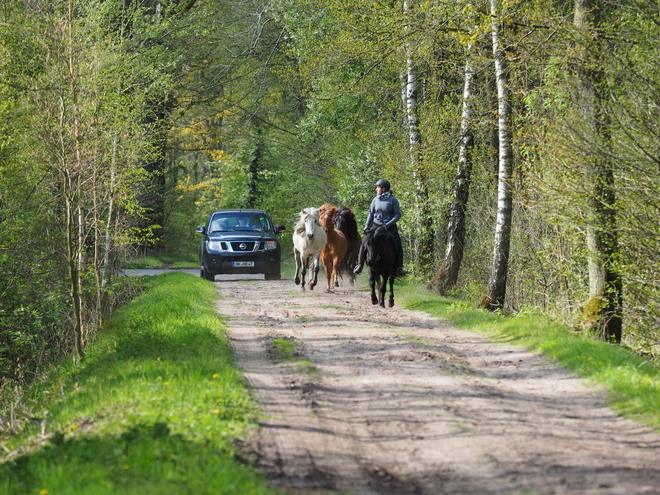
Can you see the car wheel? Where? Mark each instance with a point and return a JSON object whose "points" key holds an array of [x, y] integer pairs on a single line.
{"points": [[205, 274], [273, 276]]}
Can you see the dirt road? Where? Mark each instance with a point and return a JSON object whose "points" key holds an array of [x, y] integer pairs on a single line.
{"points": [[391, 401]]}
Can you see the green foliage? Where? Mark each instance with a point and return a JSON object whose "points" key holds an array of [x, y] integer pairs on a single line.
{"points": [[155, 408], [301, 105]]}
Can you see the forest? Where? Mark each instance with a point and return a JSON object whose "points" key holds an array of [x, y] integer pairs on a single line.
{"points": [[520, 137]]}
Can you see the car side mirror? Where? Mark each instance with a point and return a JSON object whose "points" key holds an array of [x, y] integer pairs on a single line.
{"points": [[279, 229], [201, 229]]}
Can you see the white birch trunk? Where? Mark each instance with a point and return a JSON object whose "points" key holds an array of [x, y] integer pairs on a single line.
{"points": [[424, 235], [448, 274], [500, 266]]}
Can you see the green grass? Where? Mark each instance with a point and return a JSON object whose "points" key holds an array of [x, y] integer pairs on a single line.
{"points": [[161, 261], [285, 349], [154, 408], [633, 384]]}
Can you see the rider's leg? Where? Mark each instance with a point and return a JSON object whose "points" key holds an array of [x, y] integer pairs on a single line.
{"points": [[360, 260], [399, 255]]}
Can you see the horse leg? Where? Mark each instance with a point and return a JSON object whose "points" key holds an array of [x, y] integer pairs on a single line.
{"points": [[305, 262], [382, 289], [313, 278], [372, 285], [327, 269], [391, 291], [298, 258], [335, 272]]}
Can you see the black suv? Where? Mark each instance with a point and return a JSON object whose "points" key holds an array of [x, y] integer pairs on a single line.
{"points": [[240, 241]]}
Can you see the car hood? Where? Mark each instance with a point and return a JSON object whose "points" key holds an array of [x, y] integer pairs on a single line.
{"points": [[240, 236]]}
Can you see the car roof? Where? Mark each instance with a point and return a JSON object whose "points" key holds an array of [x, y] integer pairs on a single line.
{"points": [[238, 211]]}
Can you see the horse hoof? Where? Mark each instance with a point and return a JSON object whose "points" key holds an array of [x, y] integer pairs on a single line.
{"points": [[391, 303], [297, 281], [336, 284], [374, 301], [382, 305]]}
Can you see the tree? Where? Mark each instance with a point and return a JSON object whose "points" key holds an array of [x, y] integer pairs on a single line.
{"points": [[447, 275], [87, 137], [500, 266], [605, 284], [424, 235]]}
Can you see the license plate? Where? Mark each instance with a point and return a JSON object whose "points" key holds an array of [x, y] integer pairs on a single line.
{"points": [[243, 264]]}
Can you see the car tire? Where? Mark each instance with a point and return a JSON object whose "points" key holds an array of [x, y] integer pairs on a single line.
{"points": [[205, 274], [272, 276]]}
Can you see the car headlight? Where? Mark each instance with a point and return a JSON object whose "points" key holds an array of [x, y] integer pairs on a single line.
{"points": [[270, 245], [214, 245]]}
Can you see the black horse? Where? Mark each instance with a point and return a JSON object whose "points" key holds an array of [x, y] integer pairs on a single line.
{"points": [[381, 257], [344, 221]]}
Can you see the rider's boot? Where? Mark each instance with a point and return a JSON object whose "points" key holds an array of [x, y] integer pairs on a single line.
{"points": [[360, 261]]}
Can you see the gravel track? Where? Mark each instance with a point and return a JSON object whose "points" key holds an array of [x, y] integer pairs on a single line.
{"points": [[392, 401]]}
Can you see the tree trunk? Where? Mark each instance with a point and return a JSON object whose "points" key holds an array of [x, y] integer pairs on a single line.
{"points": [[605, 285], [424, 235], [108, 248], [75, 215], [447, 276], [500, 267], [74, 269], [256, 157]]}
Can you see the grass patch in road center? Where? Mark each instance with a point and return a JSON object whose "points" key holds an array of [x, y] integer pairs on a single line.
{"points": [[633, 384], [155, 407], [284, 349], [288, 349]]}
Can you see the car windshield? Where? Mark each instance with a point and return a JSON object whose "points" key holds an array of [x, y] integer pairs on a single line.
{"points": [[223, 222]]}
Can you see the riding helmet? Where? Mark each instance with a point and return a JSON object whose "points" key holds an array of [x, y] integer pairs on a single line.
{"points": [[385, 184]]}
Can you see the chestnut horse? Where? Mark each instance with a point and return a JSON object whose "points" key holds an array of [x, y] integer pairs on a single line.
{"points": [[345, 222], [335, 246], [308, 241]]}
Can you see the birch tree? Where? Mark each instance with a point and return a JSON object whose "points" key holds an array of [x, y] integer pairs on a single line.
{"points": [[424, 233], [447, 276], [500, 265]]}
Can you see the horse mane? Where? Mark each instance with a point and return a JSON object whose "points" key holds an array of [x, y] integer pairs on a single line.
{"points": [[328, 209], [344, 220], [300, 226], [378, 240]]}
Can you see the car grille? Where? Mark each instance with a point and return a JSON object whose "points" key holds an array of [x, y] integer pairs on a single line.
{"points": [[243, 246]]}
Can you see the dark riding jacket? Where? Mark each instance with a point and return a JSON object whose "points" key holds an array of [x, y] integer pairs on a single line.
{"points": [[384, 210]]}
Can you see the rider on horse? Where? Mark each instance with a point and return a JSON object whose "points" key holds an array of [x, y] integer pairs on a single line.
{"points": [[384, 210]]}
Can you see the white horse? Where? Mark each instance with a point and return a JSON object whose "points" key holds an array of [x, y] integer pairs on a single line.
{"points": [[308, 242]]}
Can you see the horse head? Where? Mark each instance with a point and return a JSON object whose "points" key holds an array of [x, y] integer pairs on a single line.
{"points": [[310, 219], [327, 214]]}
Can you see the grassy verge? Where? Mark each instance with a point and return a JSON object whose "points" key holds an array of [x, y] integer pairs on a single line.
{"points": [[161, 261], [155, 407], [633, 383]]}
